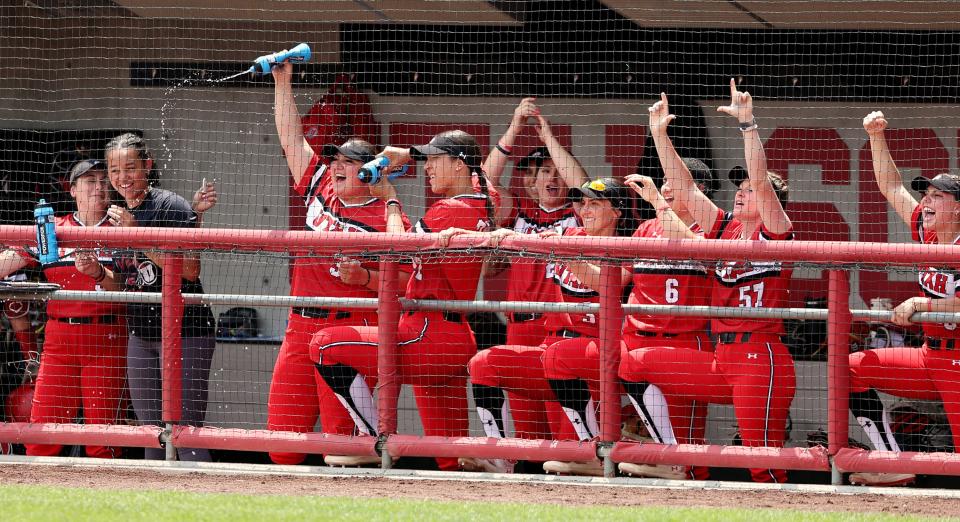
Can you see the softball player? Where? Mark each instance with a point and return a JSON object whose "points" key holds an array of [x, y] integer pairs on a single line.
{"points": [[571, 366], [434, 346], [547, 173], [130, 167], [917, 373], [84, 350], [658, 283], [336, 200], [544, 207], [752, 368]]}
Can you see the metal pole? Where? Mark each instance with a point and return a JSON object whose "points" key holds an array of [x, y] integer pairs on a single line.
{"points": [[171, 356], [838, 367], [388, 356], [611, 321]]}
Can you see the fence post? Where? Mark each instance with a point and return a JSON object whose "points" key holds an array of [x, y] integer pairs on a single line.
{"points": [[171, 313], [611, 322], [838, 367], [388, 359]]}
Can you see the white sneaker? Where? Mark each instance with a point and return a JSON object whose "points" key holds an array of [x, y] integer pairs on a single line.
{"points": [[486, 465], [591, 468], [882, 479], [352, 461], [663, 471]]}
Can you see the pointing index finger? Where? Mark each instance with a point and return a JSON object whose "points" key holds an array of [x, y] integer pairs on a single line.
{"points": [[733, 88]]}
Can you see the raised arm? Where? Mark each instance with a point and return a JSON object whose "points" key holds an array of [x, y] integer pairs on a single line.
{"points": [[772, 214], [673, 226], [495, 162], [685, 188], [295, 146], [885, 170], [569, 168]]}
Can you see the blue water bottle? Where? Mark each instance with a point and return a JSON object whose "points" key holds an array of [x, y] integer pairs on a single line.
{"points": [[263, 64], [372, 171], [46, 233]]}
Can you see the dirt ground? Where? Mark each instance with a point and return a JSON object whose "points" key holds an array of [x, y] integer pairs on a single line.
{"points": [[447, 490]]}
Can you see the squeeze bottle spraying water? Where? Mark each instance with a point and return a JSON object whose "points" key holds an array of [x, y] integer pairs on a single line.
{"points": [[372, 171], [46, 233], [262, 65]]}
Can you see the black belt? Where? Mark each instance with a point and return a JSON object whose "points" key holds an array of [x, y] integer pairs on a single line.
{"points": [[517, 317], [453, 317], [935, 343], [641, 333], [95, 319], [734, 337], [566, 334], [319, 313]]}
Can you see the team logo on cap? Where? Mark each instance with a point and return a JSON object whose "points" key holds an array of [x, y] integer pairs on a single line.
{"points": [[597, 185]]}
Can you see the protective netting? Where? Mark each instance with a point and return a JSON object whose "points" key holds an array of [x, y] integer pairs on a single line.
{"points": [[608, 119]]}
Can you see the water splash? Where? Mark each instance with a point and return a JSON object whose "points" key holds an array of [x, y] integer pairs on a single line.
{"points": [[169, 104]]}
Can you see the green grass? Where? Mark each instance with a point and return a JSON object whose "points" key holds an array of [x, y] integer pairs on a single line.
{"points": [[26, 503]]}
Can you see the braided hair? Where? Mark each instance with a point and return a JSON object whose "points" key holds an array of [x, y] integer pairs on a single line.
{"points": [[473, 160]]}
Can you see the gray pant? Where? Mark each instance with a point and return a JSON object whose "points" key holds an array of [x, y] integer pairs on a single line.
{"points": [[144, 377]]}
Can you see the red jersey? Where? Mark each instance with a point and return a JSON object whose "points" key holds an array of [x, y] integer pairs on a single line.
{"points": [[936, 282], [65, 274], [571, 290], [667, 283], [527, 281], [326, 212], [449, 275], [762, 284]]}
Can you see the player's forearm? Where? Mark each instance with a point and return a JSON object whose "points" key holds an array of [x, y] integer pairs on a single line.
{"points": [[496, 161], [110, 280], [885, 169], [587, 273], [673, 226], [674, 170], [395, 220], [568, 167], [287, 118]]}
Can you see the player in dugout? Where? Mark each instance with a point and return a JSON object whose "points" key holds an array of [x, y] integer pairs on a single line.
{"points": [[929, 372], [434, 346], [751, 368], [336, 200]]}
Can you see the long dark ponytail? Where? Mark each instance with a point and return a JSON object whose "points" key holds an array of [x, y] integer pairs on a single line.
{"points": [[472, 158]]}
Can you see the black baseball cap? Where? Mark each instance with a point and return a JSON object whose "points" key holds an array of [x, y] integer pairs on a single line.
{"points": [[949, 183], [604, 188], [537, 157], [737, 174], [442, 144], [84, 167], [354, 149]]}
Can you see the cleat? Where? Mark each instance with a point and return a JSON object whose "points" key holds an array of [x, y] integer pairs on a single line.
{"points": [[590, 468], [662, 471], [486, 465], [352, 461], [882, 479]]}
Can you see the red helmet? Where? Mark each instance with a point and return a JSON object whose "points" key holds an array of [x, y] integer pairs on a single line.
{"points": [[19, 403]]}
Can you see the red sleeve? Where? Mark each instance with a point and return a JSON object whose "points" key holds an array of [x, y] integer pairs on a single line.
{"points": [[304, 185], [578, 231], [916, 224], [717, 229], [439, 216], [766, 234]]}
